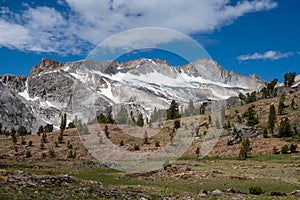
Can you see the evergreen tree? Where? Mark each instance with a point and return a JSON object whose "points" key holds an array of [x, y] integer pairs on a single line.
{"points": [[63, 122], [281, 105], [242, 98], [22, 131], [272, 118], [41, 130], [250, 97], [251, 116], [13, 135], [269, 91], [245, 149], [289, 78], [140, 120], [49, 128], [173, 111], [285, 129], [293, 106]]}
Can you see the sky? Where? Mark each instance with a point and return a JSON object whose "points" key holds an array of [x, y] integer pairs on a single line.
{"points": [[248, 36]]}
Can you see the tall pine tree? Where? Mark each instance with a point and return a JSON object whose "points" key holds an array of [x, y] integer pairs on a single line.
{"points": [[173, 111], [272, 118]]}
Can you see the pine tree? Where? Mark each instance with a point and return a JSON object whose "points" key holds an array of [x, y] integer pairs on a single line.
{"points": [[173, 111], [63, 122], [281, 104], [289, 79], [245, 149], [285, 129], [293, 106], [140, 120], [251, 116], [272, 118]]}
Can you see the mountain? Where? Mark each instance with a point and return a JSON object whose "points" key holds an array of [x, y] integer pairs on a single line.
{"points": [[87, 88]]}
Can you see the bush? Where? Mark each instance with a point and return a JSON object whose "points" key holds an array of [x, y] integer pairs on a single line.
{"points": [[48, 128], [245, 149], [44, 155], [30, 143], [177, 124], [284, 149], [51, 153], [14, 138], [285, 129], [121, 143], [157, 144], [197, 151], [256, 190], [293, 148], [42, 146], [70, 146], [23, 141], [71, 125], [106, 131], [136, 147], [72, 154], [22, 131], [28, 154]]}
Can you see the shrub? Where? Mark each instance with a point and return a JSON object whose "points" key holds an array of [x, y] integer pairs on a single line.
{"points": [[44, 137], [28, 154], [72, 154], [177, 124], [245, 149], [51, 153], [197, 151], [70, 146], [284, 149], [121, 143], [256, 190], [23, 141], [60, 136], [42, 146], [14, 138], [157, 144], [71, 125], [48, 128], [22, 131], [265, 132], [44, 155], [136, 147], [293, 148], [106, 131], [285, 129], [30, 143]]}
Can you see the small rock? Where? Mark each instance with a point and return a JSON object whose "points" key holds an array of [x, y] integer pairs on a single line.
{"points": [[217, 192], [296, 193]]}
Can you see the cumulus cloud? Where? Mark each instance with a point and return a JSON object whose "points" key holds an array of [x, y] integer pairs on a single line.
{"points": [[85, 23], [269, 55]]}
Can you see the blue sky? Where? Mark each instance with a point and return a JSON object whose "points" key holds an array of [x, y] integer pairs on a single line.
{"points": [[258, 36]]}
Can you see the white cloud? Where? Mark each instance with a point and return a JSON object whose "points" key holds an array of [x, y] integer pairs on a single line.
{"points": [[91, 21], [269, 55]]}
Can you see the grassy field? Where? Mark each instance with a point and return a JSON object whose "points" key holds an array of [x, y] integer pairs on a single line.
{"points": [[189, 176]]}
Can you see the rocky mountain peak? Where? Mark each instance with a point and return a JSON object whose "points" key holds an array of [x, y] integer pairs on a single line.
{"points": [[46, 65]]}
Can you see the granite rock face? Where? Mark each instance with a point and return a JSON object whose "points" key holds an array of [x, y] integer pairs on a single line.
{"points": [[87, 88]]}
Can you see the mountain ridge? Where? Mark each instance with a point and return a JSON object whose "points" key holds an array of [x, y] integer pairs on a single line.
{"points": [[53, 88]]}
